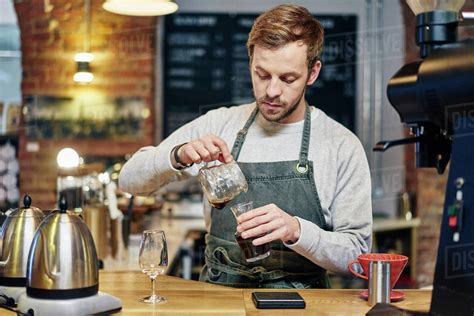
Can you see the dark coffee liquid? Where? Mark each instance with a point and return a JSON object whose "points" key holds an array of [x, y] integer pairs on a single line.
{"points": [[249, 250], [219, 205]]}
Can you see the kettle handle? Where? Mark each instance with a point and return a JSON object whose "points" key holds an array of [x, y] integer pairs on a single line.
{"points": [[3, 263], [49, 272]]}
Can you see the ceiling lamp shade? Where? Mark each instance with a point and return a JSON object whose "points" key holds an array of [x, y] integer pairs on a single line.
{"points": [[420, 6], [140, 7]]}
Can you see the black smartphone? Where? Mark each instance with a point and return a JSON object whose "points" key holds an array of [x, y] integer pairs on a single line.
{"points": [[278, 300]]}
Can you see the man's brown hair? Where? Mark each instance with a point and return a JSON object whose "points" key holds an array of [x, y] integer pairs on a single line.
{"points": [[284, 24]]}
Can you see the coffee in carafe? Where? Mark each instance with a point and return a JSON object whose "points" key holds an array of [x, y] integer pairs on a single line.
{"points": [[220, 205], [222, 183]]}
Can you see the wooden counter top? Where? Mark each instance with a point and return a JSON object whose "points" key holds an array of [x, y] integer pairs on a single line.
{"points": [[338, 302], [184, 297], [196, 298]]}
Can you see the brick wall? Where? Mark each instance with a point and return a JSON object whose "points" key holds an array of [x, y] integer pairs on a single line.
{"points": [[124, 50], [428, 185]]}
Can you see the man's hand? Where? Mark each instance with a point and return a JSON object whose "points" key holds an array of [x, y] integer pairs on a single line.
{"points": [[271, 222], [207, 149]]}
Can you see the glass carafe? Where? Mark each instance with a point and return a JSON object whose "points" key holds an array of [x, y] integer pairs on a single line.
{"points": [[222, 183]]}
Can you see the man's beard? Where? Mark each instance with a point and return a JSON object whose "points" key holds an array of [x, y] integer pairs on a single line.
{"points": [[283, 115]]}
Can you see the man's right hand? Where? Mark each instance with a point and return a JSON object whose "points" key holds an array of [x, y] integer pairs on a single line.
{"points": [[205, 149]]}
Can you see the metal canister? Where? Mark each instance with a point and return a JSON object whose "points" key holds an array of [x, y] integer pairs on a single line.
{"points": [[379, 282]]}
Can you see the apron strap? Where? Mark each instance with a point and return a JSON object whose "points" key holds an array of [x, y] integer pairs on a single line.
{"points": [[242, 134], [302, 166]]}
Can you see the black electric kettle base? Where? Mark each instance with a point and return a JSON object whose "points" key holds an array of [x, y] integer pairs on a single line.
{"points": [[55, 294], [7, 281]]}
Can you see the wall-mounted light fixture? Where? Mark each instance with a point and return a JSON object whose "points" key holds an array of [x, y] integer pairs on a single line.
{"points": [[83, 73], [140, 7]]}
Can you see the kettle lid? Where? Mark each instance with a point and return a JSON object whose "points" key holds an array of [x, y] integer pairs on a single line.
{"points": [[62, 204], [62, 215], [27, 210]]}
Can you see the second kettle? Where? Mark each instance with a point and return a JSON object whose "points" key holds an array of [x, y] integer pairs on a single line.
{"points": [[62, 262]]}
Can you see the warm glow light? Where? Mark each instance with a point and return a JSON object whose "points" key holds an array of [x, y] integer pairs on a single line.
{"points": [[83, 74], [468, 15], [68, 158], [83, 77], [84, 57], [146, 113], [140, 7], [104, 178]]}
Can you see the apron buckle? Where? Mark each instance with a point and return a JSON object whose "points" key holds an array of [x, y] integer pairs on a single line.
{"points": [[301, 169]]}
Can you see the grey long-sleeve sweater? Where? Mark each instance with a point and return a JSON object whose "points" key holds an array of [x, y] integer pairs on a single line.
{"points": [[341, 174]]}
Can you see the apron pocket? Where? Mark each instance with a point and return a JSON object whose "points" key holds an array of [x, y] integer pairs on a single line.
{"points": [[221, 257]]}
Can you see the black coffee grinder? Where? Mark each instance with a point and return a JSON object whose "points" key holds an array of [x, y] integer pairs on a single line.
{"points": [[435, 98]]}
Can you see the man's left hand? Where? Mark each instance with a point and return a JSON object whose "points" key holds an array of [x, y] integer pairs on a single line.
{"points": [[271, 222]]}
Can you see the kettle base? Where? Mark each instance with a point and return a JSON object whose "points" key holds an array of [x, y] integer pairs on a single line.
{"points": [[12, 291], [62, 294], [101, 303]]}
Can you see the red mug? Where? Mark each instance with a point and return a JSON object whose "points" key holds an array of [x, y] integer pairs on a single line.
{"points": [[397, 264]]}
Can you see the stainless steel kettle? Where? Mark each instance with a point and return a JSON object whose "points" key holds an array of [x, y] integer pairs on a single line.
{"points": [[16, 237], [62, 263]]}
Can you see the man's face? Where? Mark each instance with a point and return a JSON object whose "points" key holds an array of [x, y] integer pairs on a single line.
{"points": [[279, 78]]}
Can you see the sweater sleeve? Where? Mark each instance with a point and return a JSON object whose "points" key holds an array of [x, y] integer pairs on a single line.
{"points": [[150, 168], [351, 210]]}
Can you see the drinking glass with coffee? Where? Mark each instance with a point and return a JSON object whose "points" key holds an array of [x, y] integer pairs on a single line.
{"points": [[252, 253]]}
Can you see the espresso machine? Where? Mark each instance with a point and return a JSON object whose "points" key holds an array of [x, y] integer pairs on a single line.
{"points": [[434, 96]]}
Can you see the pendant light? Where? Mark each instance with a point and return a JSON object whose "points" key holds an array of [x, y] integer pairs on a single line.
{"points": [[140, 7], [83, 74], [421, 6]]}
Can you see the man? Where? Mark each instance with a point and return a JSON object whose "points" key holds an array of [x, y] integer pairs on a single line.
{"points": [[308, 176]]}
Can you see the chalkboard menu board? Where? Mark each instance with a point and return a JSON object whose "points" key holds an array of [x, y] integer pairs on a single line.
{"points": [[206, 66]]}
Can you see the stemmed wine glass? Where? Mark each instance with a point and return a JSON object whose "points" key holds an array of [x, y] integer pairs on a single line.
{"points": [[153, 260]]}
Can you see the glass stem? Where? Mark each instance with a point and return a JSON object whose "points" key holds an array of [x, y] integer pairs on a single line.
{"points": [[153, 287]]}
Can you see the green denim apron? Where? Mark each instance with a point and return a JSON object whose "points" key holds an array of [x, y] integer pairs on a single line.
{"points": [[289, 185]]}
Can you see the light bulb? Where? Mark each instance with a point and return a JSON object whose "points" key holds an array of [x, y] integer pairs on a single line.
{"points": [[68, 158], [84, 57], [83, 77]]}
